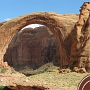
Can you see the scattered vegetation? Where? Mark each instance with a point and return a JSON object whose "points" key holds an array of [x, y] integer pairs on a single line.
{"points": [[45, 76], [71, 79], [3, 70], [13, 71], [4, 88], [44, 68]]}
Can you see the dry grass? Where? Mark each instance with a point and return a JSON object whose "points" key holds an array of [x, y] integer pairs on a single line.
{"points": [[52, 80], [67, 81]]}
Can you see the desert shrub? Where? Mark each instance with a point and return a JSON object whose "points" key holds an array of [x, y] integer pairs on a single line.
{"points": [[4, 88], [12, 70], [3, 70]]}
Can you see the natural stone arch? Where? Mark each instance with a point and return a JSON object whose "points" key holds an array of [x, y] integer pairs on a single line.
{"points": [[51, 20]]}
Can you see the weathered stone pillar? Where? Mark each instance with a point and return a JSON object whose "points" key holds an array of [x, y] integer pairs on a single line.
{"points": [[80, 50]]}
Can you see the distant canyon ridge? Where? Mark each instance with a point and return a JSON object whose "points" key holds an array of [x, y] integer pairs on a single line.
{"points": [[63, 40]]}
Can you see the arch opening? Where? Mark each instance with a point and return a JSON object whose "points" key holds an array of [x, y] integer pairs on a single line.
{"points": [[33, 48]]}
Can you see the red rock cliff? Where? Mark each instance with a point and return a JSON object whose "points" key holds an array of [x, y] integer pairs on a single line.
{"points": [[80, 50]]}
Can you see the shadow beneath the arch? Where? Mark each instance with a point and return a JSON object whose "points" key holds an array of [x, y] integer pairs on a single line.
{"points": [[68, 46]]}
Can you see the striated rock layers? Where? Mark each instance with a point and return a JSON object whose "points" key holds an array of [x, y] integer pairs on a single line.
{"points": [[32, 46], [80, 50]]}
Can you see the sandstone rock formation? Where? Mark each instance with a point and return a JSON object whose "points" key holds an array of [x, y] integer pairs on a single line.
{"points": [[60, 25], [80, 50], [32, 46], [73, 41]]}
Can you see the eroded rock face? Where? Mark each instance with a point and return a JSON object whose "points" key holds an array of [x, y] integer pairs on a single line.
{"points": [[80, 51], [73, 42], [33, 46], [60, 25]]}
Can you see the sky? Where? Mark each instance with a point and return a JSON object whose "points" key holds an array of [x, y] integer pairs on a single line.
{"points": [[13, 8]]}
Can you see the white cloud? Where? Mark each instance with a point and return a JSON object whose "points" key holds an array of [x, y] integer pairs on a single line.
{"points": [[7, 19], [33, 26]]}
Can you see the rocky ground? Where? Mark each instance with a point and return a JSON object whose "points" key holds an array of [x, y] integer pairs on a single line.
{"points": [[49, 80]]}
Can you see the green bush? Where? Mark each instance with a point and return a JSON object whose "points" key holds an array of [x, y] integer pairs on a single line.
{"points": [[3, 70], [4, 88]]}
